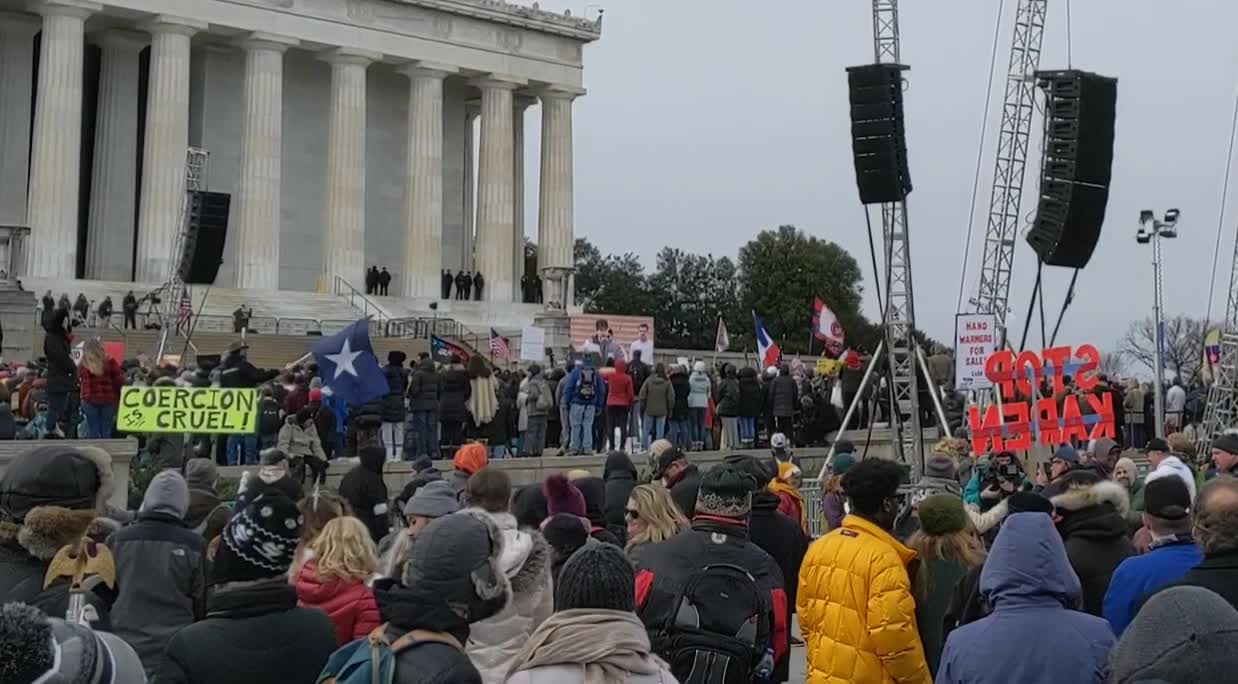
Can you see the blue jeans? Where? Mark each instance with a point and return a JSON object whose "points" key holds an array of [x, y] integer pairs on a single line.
{"points": [[655, 425], [698, 425], [681, 432], [565, 433], [581, 417], [242, 447], [747, 428], [99, 420], [424, 425]]}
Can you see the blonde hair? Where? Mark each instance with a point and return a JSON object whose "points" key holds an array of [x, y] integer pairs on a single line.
{"points": [[658, 511], [345, 551], [1179, 443], [93, 356], [963, 547]]}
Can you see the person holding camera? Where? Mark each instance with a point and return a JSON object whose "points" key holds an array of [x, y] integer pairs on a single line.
{"points": [[994, 481]]}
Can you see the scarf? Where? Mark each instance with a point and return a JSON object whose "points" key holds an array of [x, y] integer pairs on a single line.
{"points": [[610, 644], [778, 487]]}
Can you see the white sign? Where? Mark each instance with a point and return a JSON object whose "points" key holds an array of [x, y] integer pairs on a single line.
{"points": [[532, 343], [975, 339]]}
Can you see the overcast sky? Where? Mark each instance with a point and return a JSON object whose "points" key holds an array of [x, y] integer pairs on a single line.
{"points": [[707, 121]]}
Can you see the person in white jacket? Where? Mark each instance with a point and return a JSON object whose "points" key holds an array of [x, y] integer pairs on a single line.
{"points": [[1165, 463], [495, 643]]}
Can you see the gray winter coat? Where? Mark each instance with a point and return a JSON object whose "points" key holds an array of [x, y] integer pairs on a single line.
{"points": [[160, 583]]}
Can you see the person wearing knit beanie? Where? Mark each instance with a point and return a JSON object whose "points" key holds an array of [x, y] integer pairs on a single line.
{"points": [[1225, 453], [950, 553], [725, 493], [593, 635], [160, 571], [37, 648], [563, 497], [596, 577], [259, 541], [1182, 634]]}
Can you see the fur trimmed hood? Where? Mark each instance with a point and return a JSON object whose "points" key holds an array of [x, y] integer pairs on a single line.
{"points": [[50, 528], [1078, 498], [56, 475]]}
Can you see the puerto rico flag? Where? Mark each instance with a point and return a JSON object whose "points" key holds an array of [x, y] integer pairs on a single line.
{"points": [[767, 351]]}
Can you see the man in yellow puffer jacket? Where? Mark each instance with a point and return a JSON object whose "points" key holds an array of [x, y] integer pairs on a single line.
{"points": [[856, 609]]}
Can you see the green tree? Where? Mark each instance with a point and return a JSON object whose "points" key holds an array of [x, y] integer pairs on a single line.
{"points": [[610, 284], [690, 292], [781, 271]]}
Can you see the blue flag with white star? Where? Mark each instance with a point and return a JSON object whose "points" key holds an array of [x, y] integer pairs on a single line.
{"points": [[348, 366]]}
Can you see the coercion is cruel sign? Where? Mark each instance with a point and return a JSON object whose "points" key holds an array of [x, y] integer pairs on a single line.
{"points": [[1036, 409], [205, 410]]}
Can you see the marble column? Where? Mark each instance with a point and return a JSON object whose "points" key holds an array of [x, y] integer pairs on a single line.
{"points": [[343, 205], [423, 189], [163, 154], [258, 188], [519, 105], [469, 240], [496, 189], [109, 236], [556, 211], [17, 74], [56, 143]]}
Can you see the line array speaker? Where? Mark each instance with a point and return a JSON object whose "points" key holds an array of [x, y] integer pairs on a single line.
{"points": [[204, 244], [1080, 109], [878, 138]]}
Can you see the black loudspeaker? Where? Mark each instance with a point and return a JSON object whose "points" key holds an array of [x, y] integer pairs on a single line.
{"points": [[1080, 108], [204, 244], [878, 139]]}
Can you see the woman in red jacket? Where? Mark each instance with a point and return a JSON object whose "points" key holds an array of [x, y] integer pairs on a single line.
{"points": [[335, 580], [619, 397], [100, 378]]}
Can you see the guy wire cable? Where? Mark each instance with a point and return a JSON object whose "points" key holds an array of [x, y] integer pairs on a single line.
{"points": [[1216, 250]]}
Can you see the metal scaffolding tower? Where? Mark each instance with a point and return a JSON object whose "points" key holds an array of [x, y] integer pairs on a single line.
{"points": [[899, 309], [1221, 411], [173, 288], [1006, 198]]}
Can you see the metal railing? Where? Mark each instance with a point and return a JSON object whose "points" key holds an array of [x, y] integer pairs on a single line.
{"points": [[422, 328], [360, 301]]}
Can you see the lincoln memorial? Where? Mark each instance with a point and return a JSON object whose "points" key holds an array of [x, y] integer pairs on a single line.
{"points": [[348, 133]]}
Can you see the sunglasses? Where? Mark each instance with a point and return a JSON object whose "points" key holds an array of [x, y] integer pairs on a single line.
{"points": [[633, 514]]}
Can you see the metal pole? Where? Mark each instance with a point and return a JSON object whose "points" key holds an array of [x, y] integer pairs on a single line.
{"points": [[859, 398], [935, 393], [1159, 375]]}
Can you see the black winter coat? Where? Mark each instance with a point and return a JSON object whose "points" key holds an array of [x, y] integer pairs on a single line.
{"points": [[751, 396], [785, 542], [784, 396], [1218, 572], [682, 388], [640, 372], [61, 371], [425, 387], [254, 634], [407, 608], [455, 395], [237, 371], [684, 490], [728, 398], [1094, 531], [393, 403], [364, 489], [160, 581], [620, 476], [22, 574]]}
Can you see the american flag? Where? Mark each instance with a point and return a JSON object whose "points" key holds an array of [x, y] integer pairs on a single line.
{"points": [[184, 309], [499, 347]]}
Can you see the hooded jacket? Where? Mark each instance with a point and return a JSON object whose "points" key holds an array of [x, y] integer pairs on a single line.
{"points": [[364, 489], [1093, 528], [620, 476], [350, 605], [1033, 635], [619, 387], [207, 514], [161, 583], [397, 385], [494, 643], [867, 632], [254, 633], [657, 397], [700, 386], [425, 387], [298, 441], [61, 371]]}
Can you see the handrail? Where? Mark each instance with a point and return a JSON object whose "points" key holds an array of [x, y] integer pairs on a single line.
{"points": [[367, 305]]}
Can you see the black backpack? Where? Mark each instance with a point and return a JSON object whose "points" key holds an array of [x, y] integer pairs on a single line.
{"points": [[269, 421], [586, 387], [714, 628]]}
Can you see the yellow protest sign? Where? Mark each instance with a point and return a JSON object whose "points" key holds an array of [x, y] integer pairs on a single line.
{"points": [[198, 410], [828, 366]]}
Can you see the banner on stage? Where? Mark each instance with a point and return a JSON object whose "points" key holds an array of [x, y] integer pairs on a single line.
{"points": [[1038, 407], [532, 343], [198, 410], [975, 340]]}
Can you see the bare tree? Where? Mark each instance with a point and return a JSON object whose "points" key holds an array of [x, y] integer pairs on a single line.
{"points": [[1113, 364], [1183, 345]]}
